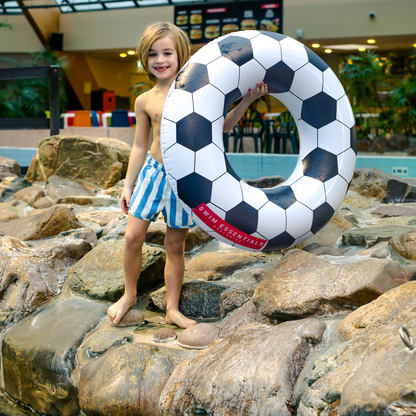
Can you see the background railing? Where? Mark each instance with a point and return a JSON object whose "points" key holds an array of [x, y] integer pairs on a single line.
{"points": [[52, 123]]}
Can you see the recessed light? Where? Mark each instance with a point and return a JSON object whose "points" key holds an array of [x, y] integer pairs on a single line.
{"points": [[123, 55], [371, 41], [131, 52], [414, 45], [328, 50], [315, 45], [361, 49]]}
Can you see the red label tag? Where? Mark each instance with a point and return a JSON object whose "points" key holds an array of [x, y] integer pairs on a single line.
{"points": [[217, 10], [217, 224], [270, 6]]}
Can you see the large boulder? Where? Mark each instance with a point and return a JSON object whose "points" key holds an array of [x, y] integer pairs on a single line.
{"points": [[100, 275], [48, 223], [303, 285], [39, 355], [57, 188], [251, 372], [102, 161]]}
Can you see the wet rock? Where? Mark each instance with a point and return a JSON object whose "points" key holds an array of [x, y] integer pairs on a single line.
{"points": [[405, 245], [245, 314], [372, 374], [320, 250], [30, 277], [266, 181], [400, 190], [128, 380], [164, 335], [30, 194], [199, 299], [9, 188], [198, 337], [46, 224], [302, 285], [133, 317], [392, 309], [87, 234], [115, 229], [253, 371], [102, 341], [101, 217], [234, 297], [96, 201], [369, 236], [57, 187], [394, 211], [215, 266], [8, 168], [371, 250], [100, 275], [42, 203], [18, 207], [380, 254], [102, 161], [39, 355]]}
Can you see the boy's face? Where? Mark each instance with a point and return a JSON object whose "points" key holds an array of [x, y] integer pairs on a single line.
{"points": [[163, 59]]}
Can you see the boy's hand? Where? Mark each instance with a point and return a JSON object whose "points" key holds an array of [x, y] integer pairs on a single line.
{"points": [[252, 95], [125, 199]]}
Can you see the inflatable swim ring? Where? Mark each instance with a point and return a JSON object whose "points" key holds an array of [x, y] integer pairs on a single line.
{"points": [[192, 142]]}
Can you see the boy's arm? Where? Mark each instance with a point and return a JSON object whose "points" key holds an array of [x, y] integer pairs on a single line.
{"points": [[234, 116], [138, 151]]}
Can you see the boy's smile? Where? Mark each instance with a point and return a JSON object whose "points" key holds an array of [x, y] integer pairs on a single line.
{"points": [[163, 59]]}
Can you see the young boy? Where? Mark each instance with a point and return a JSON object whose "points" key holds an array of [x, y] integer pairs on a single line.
{"points": [[163, 50]]}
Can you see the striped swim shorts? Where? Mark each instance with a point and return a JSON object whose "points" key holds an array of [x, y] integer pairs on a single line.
{"points": [[153, 195]]}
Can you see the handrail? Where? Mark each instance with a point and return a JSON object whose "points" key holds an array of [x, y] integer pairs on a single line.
{"points": [[51, 72]]}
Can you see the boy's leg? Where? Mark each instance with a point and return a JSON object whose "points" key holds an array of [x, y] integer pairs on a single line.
{"points": [[174, 270], [132, 262]]}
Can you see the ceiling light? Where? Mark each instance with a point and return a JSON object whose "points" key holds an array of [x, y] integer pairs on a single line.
{"points": [[414, 45], [371, 41], [131, 52], [123, 55], [361, 49], [315, 45], [328, 50]]}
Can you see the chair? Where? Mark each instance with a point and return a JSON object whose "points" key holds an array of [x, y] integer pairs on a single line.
{"points": [[82, 118], [250, 125], [284, 129], [95, 119], [120, 118], [226, 137]]}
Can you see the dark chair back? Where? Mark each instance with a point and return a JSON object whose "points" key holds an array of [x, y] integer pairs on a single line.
{"points": [[120, 118]]}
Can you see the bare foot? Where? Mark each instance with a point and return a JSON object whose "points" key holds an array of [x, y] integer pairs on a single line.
{"points": [[119, 309], [177, 318]]}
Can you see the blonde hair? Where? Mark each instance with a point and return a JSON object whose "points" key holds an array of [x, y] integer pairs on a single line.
{"points": [[160, 30]]}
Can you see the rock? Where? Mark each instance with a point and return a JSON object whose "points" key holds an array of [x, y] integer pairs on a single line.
{"points": [[96, 201], [128, 380], [133, 317], [102, 341], [39, 355], [302, 285], [356, 200], [394, 211], [30, 277], [320, 250], [397, 142], [8, 167], [87, 234], [404, 244], [199, 299], [215, 266], [371, 250], [30, 195], [100, 275], [372, 374], [391, 308], [234, 297], [42, 203], [380, 254], [266, 182], [46, 224], [400, 190], [251, 372], [57, 188], [378, 145], [196, 237], [18, 207], [245, 314], [164, 335], [198, 337], [370, 183], [115, 229], [101, 217], [10, 408], [369, 236], [9, 188], [329, 235], [8, 216], [102, 161]]}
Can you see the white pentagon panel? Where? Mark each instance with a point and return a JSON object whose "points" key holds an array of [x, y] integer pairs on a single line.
{"points": [[223, 74], [309, 191], [253, 196], [168, 129], [209, 102], [250, 74], [206, 54], [334, 137], [299, 219], [210, 162], [344, 112], [291, 102], [174, 112], [217, 130], [266, 50], [346, 164], [186, 157], [307, 82], [226, 192], [296, 174], [217, 210], [332, 85], [271, 221], [293, 53], [336, 189], [304, 237], [249, 34], [308, 138]]}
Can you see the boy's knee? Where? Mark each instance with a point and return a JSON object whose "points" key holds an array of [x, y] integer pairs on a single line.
{"points": [[134, 238], [176, 248]]}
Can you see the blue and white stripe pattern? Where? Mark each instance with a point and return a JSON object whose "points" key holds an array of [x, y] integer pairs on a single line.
{"points": [[153, 194]]}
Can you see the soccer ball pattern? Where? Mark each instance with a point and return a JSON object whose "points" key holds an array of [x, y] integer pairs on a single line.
{"points": [[193, 152]]}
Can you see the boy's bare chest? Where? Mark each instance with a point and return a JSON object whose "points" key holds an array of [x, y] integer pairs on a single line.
{"points": [[154, 108]]}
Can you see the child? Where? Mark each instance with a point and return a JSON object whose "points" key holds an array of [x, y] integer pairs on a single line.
{"points": [[163, 50]]}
